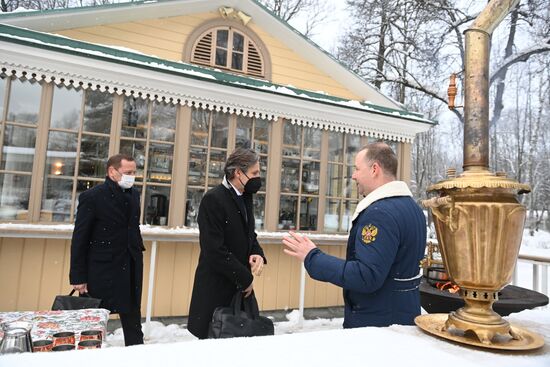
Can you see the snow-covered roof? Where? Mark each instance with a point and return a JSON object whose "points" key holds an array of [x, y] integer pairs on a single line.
{"points": [[396, 124], [60, 19]]}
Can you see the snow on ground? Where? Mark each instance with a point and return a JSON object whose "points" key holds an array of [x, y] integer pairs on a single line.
{"points": [[309, 345]]}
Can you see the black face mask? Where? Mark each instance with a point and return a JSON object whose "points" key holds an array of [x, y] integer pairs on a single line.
{"points": [[253, 184]]}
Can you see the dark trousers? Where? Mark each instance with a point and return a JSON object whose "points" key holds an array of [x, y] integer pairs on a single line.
{"points": [[131, 327], [131, 321]]}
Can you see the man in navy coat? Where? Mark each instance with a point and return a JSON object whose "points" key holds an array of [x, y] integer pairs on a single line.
{"points": [[380, 275], [107, 248]]}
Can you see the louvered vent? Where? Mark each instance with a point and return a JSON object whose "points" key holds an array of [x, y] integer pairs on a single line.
{"points": [[254, 62], [203, 50]]}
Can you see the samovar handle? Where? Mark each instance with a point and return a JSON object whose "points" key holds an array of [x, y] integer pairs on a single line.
{"points": [[434, 204]]}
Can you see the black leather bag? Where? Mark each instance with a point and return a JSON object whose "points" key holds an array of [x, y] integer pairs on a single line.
{"points": [[75, 303], [241, 318]]}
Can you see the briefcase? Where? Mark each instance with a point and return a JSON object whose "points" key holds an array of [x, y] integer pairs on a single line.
{"points": [[75, 303], [241, 318]]}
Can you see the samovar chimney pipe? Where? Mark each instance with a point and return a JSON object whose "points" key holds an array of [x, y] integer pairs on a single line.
{"points": [[476, 84]]}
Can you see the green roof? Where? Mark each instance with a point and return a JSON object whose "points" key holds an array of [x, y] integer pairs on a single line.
{"points": [[66, 45]]}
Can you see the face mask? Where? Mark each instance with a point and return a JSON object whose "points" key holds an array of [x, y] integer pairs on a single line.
{"points": [[253, 185], [127, 181]]}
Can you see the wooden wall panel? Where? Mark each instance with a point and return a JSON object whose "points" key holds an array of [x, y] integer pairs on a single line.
{"points": [[53, 273], [38, 270], [11, 252]]}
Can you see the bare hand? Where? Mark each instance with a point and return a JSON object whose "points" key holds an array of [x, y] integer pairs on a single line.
{"points": [[248, 291], [81, 288], [297, 245], [256, 264]]}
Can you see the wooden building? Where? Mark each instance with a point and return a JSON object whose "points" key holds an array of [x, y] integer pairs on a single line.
{"points": [[178, 84]]}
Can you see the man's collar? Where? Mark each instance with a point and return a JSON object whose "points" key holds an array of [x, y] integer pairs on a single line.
{"points": [[229, 185], [391, 189]]}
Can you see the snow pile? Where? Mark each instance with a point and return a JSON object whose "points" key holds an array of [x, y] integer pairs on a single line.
{"points": [[391, 346]]}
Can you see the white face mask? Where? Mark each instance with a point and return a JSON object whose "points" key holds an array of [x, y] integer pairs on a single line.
{"points": [[126, 181]]}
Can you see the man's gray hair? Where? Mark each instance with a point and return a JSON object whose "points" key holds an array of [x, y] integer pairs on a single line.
{"points": [[241, 158]]}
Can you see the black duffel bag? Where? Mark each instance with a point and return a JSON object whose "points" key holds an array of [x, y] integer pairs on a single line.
{"points": [[75, 303], [241, 318]]}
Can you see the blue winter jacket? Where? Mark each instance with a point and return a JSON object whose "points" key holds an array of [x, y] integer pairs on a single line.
{"points": [[380, 275]]}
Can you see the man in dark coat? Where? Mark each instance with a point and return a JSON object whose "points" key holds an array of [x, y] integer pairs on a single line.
{"points": [[230, 253], [107, 248], [380, 275]]}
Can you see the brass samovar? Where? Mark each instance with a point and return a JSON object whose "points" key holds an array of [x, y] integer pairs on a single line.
{"points": [[478, 218]]}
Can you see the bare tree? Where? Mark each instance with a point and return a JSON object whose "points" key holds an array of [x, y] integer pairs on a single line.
{"points": [[407, 48], [312, 12]]}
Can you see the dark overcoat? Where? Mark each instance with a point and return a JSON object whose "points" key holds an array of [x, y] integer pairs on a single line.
{"points": [[106, 237], [380, 275], [227, 240]]}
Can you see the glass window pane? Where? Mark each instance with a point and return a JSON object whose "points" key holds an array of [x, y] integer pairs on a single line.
{"points": [[221, 38], [351, 186], [261, 136], [244, 132], [56, 200], [221, 57], [259, 210], [200, 121], [349, 209], [335, 147], [236, 61], [135, 149], [220, 127], [18, 149], [135, 115], [312, 143], [335, 180], [197, 167], [3, 82], [14, 196], [292, 140], [66, 108], [163, 122], [332, 215], [353, 144], [98, 112], [157, 199], [93, 156], [161, 157], [263, 172], [194, 197], [238, 42], [308, 213], [61, 154], [288, 207], [310, 177], [24, 101], [215, 170], [290, 175]]}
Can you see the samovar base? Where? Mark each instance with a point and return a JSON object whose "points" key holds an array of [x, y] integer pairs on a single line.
{"points": [[523, 339], [484, 332]]}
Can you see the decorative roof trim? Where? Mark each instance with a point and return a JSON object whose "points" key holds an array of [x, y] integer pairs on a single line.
{"points": [[154, 84]]}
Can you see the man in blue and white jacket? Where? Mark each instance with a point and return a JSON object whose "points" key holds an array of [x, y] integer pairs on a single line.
{"points": [[380, 275]]}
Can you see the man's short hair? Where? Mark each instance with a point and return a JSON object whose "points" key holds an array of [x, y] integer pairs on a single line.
{"points": [[241, 158], [116, 160], [384, 155]]}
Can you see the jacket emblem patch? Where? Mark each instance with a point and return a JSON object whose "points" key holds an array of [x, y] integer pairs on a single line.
{"points": [[368, 233]]}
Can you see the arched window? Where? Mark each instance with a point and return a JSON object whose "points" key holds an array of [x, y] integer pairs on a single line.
{"points": [[227, 45]]}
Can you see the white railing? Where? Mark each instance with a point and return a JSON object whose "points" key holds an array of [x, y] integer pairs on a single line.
{"points": [[540, 266]]}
